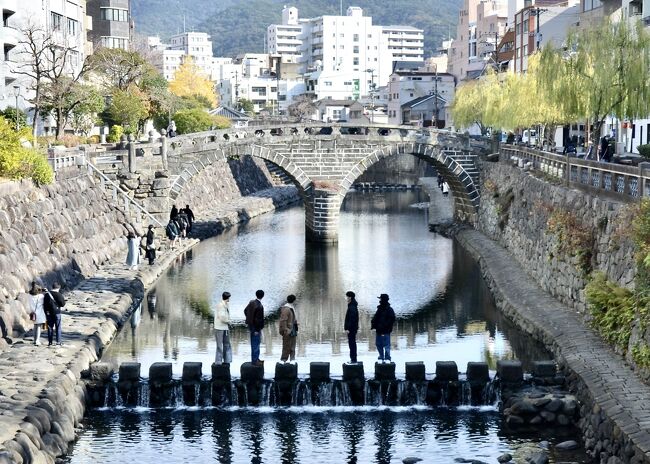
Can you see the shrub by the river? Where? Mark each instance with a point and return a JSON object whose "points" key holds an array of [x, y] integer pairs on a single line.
{"points": [[18, 161]]}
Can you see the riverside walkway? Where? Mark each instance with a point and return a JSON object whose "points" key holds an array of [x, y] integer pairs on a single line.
{"points": [[614, 400], [41, 400]]}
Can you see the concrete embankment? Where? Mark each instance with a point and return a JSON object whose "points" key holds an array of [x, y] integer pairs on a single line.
{"points": [[614, 411], [42, 396]]}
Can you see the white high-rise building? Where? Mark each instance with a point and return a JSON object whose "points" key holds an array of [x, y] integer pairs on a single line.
{"points": [[197, 45], [343, 56]]}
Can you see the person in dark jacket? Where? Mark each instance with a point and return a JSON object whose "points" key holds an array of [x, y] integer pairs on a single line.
{"points": [[190, 218], [173, 213], [150, 245], [382, 322], [254, 313], [52, 305], [351, 325]]}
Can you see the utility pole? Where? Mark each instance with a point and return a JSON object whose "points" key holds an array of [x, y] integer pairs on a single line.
{"points": [[538, 35], [237, 105], [435, 96], [372, 95]]}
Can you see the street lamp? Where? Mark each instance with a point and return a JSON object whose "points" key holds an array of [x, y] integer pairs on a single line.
{"points": [[372, 95], [17, 94], [435, 96]]}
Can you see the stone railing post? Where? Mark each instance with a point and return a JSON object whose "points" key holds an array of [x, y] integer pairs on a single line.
{"points": [[568, 169], [131, 148], [163, 151], [644, 166]]}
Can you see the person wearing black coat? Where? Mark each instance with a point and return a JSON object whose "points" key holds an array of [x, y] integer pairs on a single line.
{"points": [[254, 313], [382, 322], [351, 325], [52, 304], [150, 245]]}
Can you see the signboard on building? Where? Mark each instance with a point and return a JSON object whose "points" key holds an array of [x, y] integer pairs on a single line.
{"points": [[355, 89]]}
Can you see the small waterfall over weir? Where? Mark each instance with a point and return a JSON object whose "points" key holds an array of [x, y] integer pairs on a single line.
{"points": [[268, 392]]}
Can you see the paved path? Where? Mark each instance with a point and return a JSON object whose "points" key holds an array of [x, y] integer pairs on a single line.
{"points": [[31, 375], [614, 387]]}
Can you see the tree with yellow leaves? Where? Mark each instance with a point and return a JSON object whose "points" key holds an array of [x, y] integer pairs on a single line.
{"points": [[190, 82]]}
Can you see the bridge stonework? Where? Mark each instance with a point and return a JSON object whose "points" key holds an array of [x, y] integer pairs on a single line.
{"points": [[324, 161]]}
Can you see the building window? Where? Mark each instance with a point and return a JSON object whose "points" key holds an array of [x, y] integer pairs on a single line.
{"points": [[114, 42], [114, 14], [355, 49], [57, 21], [73, 26], [328, 83], [355, 37], [526, 50], [355, 61]]}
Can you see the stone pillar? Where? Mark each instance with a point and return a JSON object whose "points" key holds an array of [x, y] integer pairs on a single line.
{"points": [[322, 211], [642, 187], [163, 151], [131, 148]]}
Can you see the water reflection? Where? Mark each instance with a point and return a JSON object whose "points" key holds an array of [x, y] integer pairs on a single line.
{"points": [[445, 311], [305, 435]]}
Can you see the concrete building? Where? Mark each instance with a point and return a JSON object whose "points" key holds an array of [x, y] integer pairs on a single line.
{"points": [[329, 110], [481, 24], [347, 50], [112, 24], [64, 22], [408, 85], [539, 24]]}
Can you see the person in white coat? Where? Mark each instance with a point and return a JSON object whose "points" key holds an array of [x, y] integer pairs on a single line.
{"points": [[221, 330], [133, 255], [37, 314]]}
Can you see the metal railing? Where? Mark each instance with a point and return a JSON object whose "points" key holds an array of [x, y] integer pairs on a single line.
{"points": [[626, 182], [117, 191]]}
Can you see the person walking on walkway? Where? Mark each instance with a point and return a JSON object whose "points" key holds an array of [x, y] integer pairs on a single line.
{"points": [[52, 304], [288, 329], [351, 325], [254, 313], [133, 255], [150, 245], [190, 218], [37, 314], [173, 213], [382, 322], [171, 230], [222, 330], [445, 188]]}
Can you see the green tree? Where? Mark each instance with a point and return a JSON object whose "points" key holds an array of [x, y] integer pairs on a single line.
{"points": [[129, 108], [67, 97], [18, 161], [246, 106], [198, 120], [119, 68], [302, 107], [602, 71], [10, 114]]}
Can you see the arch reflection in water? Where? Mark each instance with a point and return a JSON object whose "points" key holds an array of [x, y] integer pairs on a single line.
{"points": [[445, 311]]}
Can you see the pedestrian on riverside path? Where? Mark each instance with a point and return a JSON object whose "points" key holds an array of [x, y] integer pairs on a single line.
{"points": [[171, 231], [288, 329], [150, 245], [37, 312], [133, 255], [182, 222], [351, 325], [173, 213], [254, 313], [222, 330], [382, 322], [445, 188], [190, 218], [52, 303]]}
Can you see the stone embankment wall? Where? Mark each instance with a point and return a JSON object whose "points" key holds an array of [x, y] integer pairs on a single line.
{"points": [[65, 231], [60, 232], [558, 235]]}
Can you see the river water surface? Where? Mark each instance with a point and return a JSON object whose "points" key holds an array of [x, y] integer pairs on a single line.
{"points": [[445, 313]]}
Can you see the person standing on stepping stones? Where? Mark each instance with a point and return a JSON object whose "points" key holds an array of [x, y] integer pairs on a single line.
{"points": [[288, 329], [382, 322], [221, 330], [351, 325], [254, 313]]}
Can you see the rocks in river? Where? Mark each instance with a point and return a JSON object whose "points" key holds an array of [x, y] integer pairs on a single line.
{"points": [[538, 406], [539, 457], [507, 457], [411, 460], [567, 445]]}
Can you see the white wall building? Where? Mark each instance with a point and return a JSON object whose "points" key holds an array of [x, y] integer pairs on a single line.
{"points": [[197, 45], [347, 50], [64, 21]]}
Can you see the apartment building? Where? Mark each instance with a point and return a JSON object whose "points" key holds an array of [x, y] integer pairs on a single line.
{"points": [[63, 21], [481, 25], [343, 57], [112, 24]]}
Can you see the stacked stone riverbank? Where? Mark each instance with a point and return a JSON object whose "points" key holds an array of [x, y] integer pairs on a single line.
{"points": [[614, 406]]}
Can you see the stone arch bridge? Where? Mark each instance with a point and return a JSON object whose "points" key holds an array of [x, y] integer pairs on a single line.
{"points": [[322, 160]]}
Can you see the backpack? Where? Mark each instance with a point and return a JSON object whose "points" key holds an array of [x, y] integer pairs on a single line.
{"points": [[170, 231]]}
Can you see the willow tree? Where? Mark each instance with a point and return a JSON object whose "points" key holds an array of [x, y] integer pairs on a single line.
{"points": [[189, 81], [602, 71]]}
